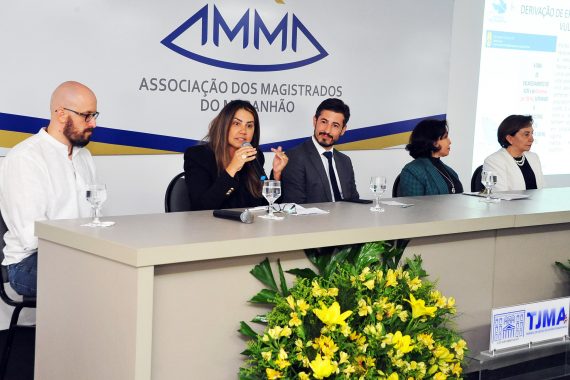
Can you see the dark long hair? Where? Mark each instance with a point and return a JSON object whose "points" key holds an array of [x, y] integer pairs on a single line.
{"points": [[424, 137], [217, 139]]}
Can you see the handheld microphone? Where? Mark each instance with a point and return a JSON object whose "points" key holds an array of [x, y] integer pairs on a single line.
{"points": [[256, 165], [244, 217]]}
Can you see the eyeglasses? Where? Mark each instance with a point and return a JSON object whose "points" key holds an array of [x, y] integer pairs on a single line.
{"points": [[288, 208], [87, 116]]}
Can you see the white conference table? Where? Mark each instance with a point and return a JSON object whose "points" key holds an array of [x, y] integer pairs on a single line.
{"points": [[161, 296]]}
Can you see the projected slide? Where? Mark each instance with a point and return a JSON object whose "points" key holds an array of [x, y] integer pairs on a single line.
{"points": [[525, 69]]}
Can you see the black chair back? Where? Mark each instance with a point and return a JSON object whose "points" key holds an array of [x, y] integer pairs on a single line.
{"points": [[3, 230], [476, 184], [176, 198], [395, 187], [18, 305]]}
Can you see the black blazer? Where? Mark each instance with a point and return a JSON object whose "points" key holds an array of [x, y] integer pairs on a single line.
{"points": [[304, 179], [208, 189]]}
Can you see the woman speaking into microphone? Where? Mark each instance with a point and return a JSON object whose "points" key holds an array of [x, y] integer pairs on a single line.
{"points": [[226, 170]]}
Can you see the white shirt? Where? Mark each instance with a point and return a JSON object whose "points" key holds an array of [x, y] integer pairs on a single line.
{"points": [[39, 182], [325, 161]]}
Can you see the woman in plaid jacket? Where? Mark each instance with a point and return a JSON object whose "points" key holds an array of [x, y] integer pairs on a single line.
{"points": [[426, 174]]}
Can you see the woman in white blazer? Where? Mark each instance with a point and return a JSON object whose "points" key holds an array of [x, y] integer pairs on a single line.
{"points": [[515, 166]]}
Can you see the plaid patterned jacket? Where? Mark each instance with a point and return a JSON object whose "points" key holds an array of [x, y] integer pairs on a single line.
{"points": [[420, 177]]}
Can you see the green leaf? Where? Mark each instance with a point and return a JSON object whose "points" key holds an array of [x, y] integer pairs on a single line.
{"points": [[303, 273], [246, 330], [300, 332], [247, 377], [563, 266], [354, 251], [336, 258], [265, 296], [414, 265], [282, 282], [320, 257], [396, 251], [261, 319], [369, 254], [263, 273], [315, 258], [401, 244]]}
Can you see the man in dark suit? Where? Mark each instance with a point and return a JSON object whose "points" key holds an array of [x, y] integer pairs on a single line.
{"points": [[307, 178]]}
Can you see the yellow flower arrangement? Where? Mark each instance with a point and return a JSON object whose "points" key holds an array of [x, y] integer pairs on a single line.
{"points": [[362, 316]]}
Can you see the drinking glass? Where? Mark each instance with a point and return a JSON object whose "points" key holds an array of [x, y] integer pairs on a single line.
{"points": [[489, 180], [96, 195], [378, 187], [271, 191]]}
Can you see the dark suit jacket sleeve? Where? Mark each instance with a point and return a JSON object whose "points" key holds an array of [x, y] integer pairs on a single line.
{"points": [[293, 179], [353, 194], [207, 190]]}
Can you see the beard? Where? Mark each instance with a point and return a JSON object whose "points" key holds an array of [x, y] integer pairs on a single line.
{"points": [[76, 137], [323, 143]]}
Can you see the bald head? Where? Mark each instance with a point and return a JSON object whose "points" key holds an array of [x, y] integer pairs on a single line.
{"points": [[73, 95], [73, 109]]}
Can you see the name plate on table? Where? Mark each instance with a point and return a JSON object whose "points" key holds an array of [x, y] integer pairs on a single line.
{"points": [[529, 323]]}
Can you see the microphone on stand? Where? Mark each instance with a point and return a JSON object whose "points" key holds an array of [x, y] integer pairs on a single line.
{"points": [[256, 165], [244, 217]]}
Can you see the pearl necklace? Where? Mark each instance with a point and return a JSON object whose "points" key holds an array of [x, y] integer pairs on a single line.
{"points": [[520, 162]]}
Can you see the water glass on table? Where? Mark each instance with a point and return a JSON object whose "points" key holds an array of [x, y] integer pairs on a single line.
{"points": [[489, 180], [271, 191], [377, 187], [96, 195]]}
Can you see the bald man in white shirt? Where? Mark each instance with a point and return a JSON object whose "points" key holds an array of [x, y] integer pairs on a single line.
{"points": [[41, 178]]}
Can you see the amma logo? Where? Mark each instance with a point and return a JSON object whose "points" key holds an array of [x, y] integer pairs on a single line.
{"points": [[248, 45]]}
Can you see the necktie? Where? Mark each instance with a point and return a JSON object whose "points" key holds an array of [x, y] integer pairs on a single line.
{"points": [[332, 177]]}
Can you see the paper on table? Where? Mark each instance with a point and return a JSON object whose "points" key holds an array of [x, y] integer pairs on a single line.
{"points": [[474, 193], [395, 203], [503, 196], [300, 210], [258, 208], [101, 224], [274, 217], [509, 197]]}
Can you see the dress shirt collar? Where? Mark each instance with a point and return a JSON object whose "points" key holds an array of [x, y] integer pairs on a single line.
{"points": [[57, 145], [320, 149]]}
